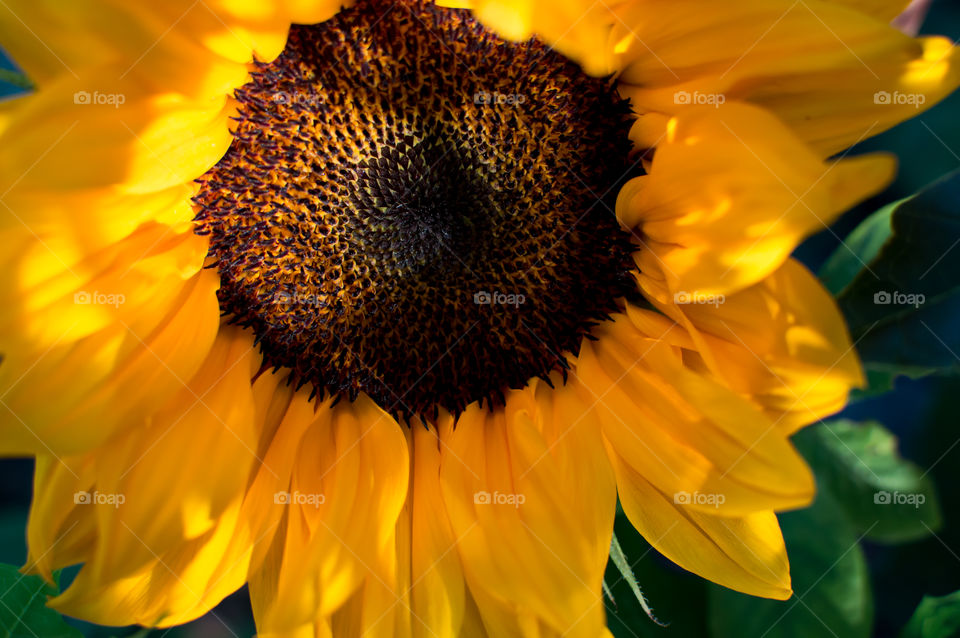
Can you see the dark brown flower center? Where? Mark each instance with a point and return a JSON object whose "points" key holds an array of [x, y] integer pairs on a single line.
{"points": [[416, 209]]}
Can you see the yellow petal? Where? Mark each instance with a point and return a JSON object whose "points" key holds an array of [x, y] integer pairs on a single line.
{"points": [[177, 587], [159, 546], [179, 44], [58, 533], [885, 10], [782, 342], [339, 507], [71, 225], [127, 94], [49, 297], [759, 192], [821, 67], [208, 428], [436, 587], [83, 362], [531, 498], [414, 586], [579, 29], [295, 11], [74, 137], [686, 432], [745, 553]]}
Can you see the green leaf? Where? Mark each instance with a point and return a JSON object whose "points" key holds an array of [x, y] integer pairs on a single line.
{"points": [[678, 597], [23, 610], [935, 618], [878, 382], [623, 566], [882, 494], [901, 306], [864, 489], [859, 248], [13, 546], [830, 582], [15, 78]]}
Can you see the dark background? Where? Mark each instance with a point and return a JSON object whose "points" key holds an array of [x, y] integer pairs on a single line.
{"points": [[924, 413], [921, 413]]}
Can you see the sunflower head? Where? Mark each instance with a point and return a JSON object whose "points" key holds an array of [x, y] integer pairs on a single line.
{"points": [[496, 221], [416, 209]]}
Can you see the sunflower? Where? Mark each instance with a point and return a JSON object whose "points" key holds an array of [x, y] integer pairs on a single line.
{"points": [[379, 310]]}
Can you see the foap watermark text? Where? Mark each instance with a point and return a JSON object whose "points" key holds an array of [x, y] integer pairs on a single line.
{"points": [[884, 298], [884, 497], [299, 498], [498, 498], [886, 98], [699, 498], [498, 99], [497, 298], [698, 299], [696, 98], [98, 498], [95, 298], [116, 100]]}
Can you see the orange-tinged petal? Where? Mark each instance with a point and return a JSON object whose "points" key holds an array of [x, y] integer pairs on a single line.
{"points": [[685, 431], [96, 347], [759, 192], [436, 587], [159, 547], [58, 533], [69, 226], [208, 427], [885, 10], [177, 587], [745, 553], [782, 342], [78, 136], [49, 298], [414, 586], [178, 45], [577, 28], [341, 504], [824, 68], [531, 498]]}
